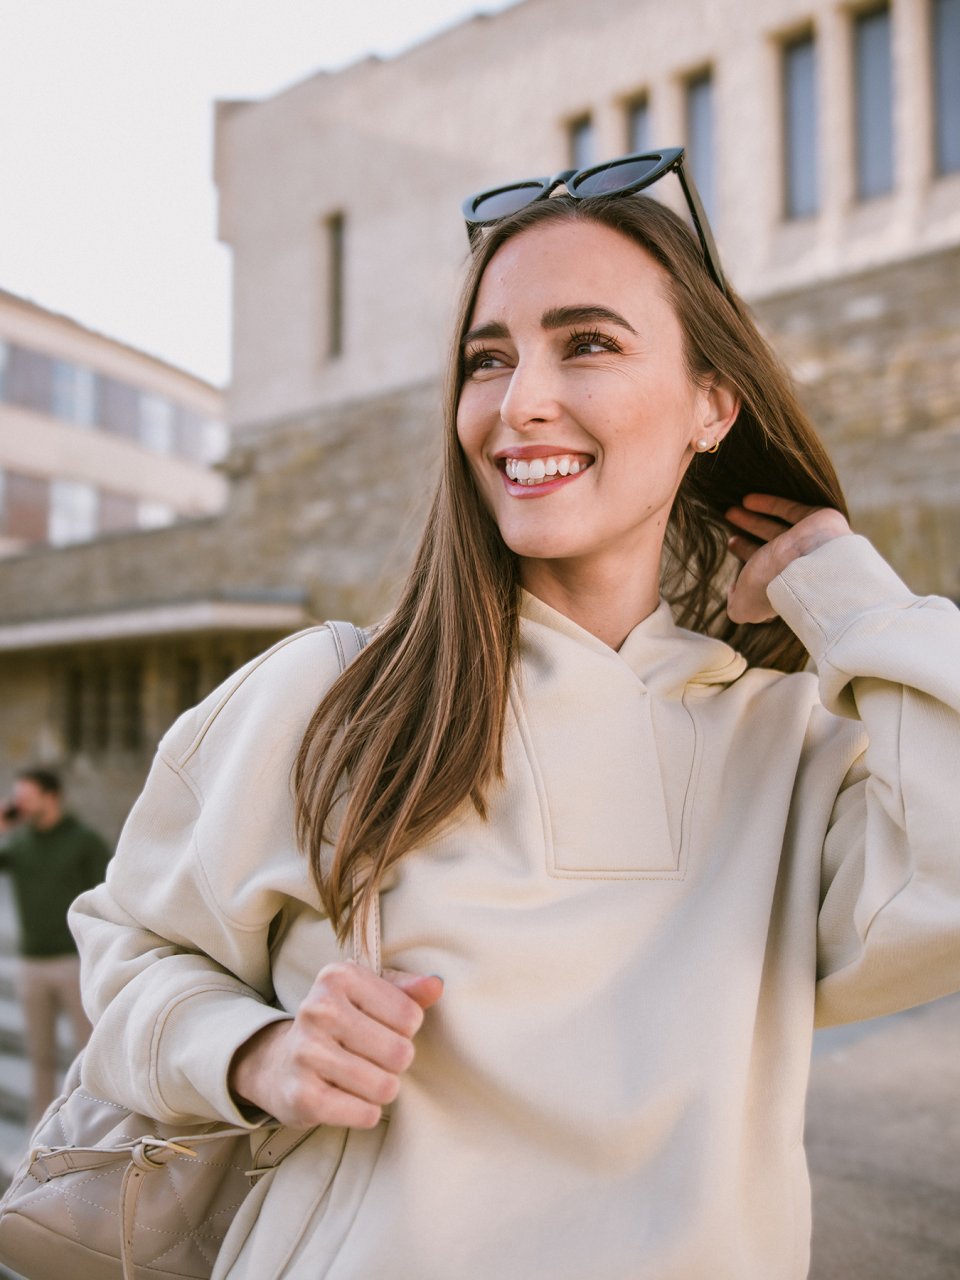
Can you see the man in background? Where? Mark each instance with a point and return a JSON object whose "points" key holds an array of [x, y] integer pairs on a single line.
{"points": [[51, 858]]}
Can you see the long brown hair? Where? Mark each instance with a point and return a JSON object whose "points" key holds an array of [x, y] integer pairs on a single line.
{"points": [[413, 729]]}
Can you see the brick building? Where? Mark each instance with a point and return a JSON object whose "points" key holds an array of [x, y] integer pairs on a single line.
{"points": [[824, 139]]}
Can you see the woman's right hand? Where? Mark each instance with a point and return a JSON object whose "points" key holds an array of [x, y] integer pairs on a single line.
{"points": [[339, 1061]]}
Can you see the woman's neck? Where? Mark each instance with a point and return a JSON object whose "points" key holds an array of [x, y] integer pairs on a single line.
{"points": [[601, 599]]}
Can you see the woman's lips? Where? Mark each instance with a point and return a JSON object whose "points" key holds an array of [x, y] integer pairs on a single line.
{"points": [[542, 471], [535, 465]]}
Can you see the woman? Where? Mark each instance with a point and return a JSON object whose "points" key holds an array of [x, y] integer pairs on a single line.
{"points": [[643, 856]]}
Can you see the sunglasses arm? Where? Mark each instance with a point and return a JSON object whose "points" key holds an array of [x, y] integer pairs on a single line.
{"points": [[702, 227]]}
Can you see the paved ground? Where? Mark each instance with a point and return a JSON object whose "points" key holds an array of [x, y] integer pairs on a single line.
{"points": [[883, 1140]]}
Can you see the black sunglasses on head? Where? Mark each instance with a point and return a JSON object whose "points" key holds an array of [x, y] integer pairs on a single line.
{"points": [[624, 176]]}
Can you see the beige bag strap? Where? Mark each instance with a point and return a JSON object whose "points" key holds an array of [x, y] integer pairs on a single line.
{"points": [[366, 928]]}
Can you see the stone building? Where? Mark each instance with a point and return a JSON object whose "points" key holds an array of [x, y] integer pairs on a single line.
{"points": [[824, 139]]}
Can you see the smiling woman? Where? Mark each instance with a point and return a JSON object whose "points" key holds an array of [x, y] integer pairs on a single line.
{"points": [[591, 778], [604, 384]]}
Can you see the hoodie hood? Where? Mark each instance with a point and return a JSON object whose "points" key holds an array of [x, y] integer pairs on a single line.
{"points": [[665, 658]]}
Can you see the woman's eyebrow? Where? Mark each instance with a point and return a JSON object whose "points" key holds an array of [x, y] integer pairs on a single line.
{"points": [[555, 318], [495, 329], [560, 317]]}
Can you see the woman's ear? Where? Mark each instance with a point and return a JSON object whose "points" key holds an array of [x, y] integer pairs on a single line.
{"points": [[719, 405], [725, 406]]}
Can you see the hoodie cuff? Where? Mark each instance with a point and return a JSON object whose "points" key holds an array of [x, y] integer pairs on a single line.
{"points": [[200, 1036], [844, 586]]}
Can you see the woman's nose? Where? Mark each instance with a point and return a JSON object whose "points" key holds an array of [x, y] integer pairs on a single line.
{"points": [[531, 396]]}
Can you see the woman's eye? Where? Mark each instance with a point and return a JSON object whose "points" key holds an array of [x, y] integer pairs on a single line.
{"points": [[478, 361], [588, 344]]}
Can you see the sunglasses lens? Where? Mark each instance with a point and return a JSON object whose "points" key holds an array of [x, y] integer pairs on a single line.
{"points": [[500, 204], [615, 177]]}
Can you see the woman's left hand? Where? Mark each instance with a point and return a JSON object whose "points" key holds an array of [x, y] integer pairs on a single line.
{"points": [[777, 531]]}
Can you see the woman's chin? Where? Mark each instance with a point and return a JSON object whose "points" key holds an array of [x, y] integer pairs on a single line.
{"points": [[542, 548]]}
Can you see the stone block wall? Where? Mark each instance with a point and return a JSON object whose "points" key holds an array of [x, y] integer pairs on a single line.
{"points": [[877, 358]]}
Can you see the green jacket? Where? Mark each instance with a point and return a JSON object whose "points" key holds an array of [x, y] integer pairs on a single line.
{"points": [[50, 869]]}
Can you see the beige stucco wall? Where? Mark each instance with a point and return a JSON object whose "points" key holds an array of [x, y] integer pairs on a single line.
{"points": [[38, 445], [44, 447], [23, 322], [395, 145]]}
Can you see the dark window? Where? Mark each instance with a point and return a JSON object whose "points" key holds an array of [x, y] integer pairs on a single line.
{"points": [[580, 141], [30, 379], [946, 84], [800, 128], [700, 146], [222, 668], [188, 682], [73, 717], [873, 64], [100, 690], [130, 681], [74, 393], [335, 237], [119, 407], [638, 125], [26, 503], [103, 706]]}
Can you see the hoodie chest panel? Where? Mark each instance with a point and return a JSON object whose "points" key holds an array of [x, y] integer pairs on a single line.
{"points": [[613, 767]]}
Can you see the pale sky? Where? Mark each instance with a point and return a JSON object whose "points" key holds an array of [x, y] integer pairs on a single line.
{"points": [[107, 205]]}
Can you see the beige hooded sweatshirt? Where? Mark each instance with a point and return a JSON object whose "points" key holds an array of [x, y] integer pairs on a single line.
{"points": [[686, 862]]}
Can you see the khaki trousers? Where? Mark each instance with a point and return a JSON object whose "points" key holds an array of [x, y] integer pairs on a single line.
{"points": [[49, 986]]}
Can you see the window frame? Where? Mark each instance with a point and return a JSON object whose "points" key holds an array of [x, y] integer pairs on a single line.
{"points": [[702, 159], [794, 210], [864, 114]]}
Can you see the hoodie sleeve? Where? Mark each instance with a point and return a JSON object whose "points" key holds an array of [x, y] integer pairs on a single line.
{"points": [[889, 919], [175, 945]]}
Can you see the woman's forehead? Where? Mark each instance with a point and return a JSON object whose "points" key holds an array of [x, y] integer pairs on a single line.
{"points": [[568, 258]]}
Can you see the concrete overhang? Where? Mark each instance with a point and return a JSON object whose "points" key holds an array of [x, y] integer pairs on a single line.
{"points": [[154, 622]]}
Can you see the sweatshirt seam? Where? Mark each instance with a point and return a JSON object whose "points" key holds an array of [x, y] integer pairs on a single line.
{"points": [[857, 959], [192, 747], [533, 765], [209, 893], [163, 1018], [911, 874], [831, 642], [917, 603]]}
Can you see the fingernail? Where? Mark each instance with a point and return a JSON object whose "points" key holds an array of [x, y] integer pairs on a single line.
{"points": [[435, 975]]}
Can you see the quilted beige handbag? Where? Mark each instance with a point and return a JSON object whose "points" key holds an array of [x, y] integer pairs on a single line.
{"points": [[106, 1194]]}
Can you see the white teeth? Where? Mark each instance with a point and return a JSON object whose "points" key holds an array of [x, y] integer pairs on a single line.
{"points": [[536, 470]]}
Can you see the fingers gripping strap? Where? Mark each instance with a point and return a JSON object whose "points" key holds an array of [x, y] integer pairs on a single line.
{"points": [[366, 925]]}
